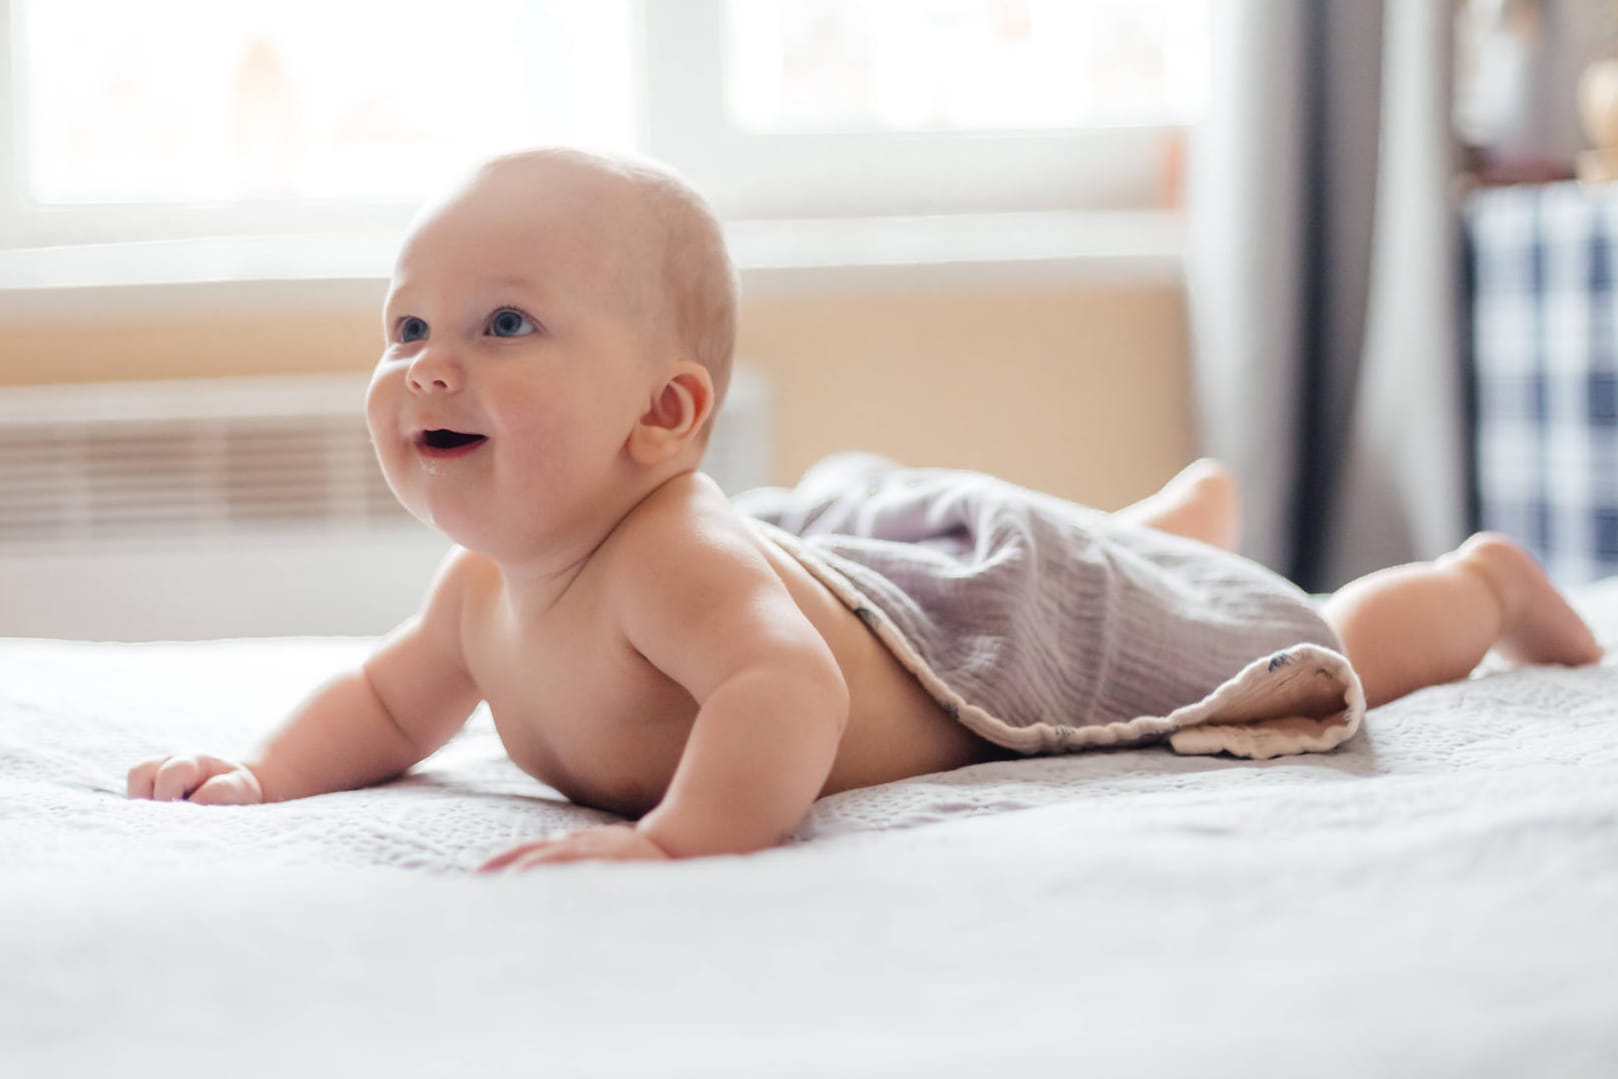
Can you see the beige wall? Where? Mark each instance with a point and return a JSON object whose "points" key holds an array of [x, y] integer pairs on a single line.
{"points": [[1077, 388], [1078, 391]]}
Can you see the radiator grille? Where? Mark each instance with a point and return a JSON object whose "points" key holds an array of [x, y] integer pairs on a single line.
{"points": [[212, 462], [230, 507], [192, 461]]}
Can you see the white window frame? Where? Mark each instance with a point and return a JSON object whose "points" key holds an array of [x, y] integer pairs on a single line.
{"points": [[749, 175], [10, 165], [25, 225], [682, 120]]}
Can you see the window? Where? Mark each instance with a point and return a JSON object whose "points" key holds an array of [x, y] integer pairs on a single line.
{"points": [[805, 65], [278, 115], [911, 106], [174, 118]]}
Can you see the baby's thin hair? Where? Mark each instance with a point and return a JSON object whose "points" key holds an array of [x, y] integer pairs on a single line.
{"points": [[696, 288]]}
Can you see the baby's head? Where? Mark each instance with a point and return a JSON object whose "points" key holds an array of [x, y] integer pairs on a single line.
{"points": [[558, 340]]}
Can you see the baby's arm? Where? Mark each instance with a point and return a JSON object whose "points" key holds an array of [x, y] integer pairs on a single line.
{"points": [[704, 606], [712, 615], [362, 727], [693, 594]]}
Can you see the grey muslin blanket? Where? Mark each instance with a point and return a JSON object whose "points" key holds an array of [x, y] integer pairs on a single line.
{"points": [[1045, 626]]}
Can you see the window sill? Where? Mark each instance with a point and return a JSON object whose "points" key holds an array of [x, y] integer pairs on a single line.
{"points": [[965, 249], [774, 257]]}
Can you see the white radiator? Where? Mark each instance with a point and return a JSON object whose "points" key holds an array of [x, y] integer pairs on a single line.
{"points": [[230, 507]]}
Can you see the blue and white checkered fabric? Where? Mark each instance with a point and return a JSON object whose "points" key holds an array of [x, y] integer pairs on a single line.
{"points": [[1544, 334]]}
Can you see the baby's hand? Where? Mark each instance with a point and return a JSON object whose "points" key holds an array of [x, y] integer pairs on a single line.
{"points": [[201, 779], [606, 843]]}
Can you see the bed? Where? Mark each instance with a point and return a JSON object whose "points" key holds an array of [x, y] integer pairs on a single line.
{"points": [[1437, 898]]}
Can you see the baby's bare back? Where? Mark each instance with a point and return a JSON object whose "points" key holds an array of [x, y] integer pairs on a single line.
{"points": [[578, 707]]}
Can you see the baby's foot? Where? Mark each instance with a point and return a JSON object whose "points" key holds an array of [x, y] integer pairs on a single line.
{"points": [[1537, 625], [1200, 503]]}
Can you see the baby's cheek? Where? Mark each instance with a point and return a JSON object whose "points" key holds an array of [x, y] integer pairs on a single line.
{"points": [[382, 415], [543, 436], [390, 452]]}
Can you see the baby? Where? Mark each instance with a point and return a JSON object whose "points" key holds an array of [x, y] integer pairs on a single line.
{"points": [[558, 340]]}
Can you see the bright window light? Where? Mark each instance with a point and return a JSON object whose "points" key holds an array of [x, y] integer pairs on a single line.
{"points": [[124, 122], [963, 65], [198, 101]]}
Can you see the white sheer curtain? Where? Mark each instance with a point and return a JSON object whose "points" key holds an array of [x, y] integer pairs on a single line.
{"points": [[1324, 270]]}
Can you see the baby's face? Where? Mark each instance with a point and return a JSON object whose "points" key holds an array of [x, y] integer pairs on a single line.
{"points": [[517, 360]]}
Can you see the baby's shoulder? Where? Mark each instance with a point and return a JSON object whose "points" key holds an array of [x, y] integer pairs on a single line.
{"points": [[461, 577], [688, 505], [687, 525], [462, 570]]}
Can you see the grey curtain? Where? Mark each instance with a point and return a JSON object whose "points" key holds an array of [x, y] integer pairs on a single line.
{"points": [[1323, 282]]}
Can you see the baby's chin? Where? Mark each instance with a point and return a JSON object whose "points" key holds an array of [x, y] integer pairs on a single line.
{"points": [[500, 541], [451, 522], [459, 531]]}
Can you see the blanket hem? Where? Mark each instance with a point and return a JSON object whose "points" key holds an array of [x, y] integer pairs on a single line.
{"points": [[1202, 727]]}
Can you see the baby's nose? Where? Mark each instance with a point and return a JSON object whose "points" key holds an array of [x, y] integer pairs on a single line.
{"points": [[431, 374]]}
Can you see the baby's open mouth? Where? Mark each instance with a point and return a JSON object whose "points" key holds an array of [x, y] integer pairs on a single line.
{"points": [[442, 442]]}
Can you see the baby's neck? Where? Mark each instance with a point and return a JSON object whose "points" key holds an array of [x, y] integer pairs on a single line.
{"points": [[536, 583]]}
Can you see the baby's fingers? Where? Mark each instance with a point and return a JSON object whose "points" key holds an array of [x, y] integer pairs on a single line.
{"points": [[607, 843], [502, 861], [142, 777], [238, 787], [176, 778]]}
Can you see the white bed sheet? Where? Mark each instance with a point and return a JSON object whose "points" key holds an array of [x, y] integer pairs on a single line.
{"points": [[1440, 897]]}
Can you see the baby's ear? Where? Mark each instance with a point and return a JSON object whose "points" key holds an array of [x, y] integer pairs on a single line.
{"points": [[675, 416]]}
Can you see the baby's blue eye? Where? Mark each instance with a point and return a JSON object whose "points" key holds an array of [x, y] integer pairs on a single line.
{"points": [[412, 328], [509, 322]]}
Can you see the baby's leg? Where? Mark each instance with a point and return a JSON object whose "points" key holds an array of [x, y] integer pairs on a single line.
{"points": [[1199, 503], [1431, 622]]}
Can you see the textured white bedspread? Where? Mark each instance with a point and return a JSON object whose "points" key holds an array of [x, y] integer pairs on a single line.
{"points": [[1439, 897]]}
